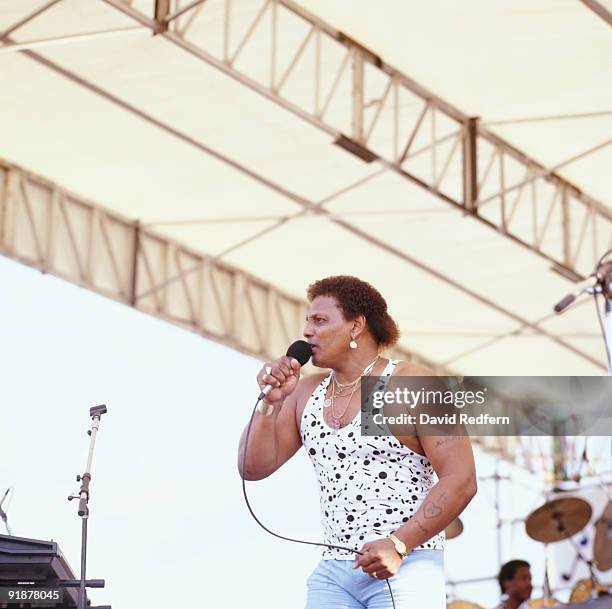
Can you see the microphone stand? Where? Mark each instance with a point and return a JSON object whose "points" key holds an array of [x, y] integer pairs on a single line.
{"points": [[608, 332], [95, 413], [600, 282], [589, 563]]}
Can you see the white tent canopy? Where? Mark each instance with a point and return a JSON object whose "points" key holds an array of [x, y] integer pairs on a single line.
{"points": [[193, 173]]}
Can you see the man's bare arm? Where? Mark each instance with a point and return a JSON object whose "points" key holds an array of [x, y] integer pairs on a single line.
{"points": [[453, 461], [274, 439]]}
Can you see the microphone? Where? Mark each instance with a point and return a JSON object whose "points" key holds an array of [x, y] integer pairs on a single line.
{"points": [[590, 282], [299, 350], [603, 275]]}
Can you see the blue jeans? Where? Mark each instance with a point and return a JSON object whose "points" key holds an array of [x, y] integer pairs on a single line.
{"points": [[419, 584]]}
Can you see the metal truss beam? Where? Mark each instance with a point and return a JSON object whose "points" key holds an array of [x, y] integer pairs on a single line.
{"points": [[51, 229], [307, 207], [471, 169], [162, 12], [48, 228], [27, 18], [68, 39], [599, 9]]}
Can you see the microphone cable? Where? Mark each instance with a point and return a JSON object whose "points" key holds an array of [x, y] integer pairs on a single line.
{"points": [[265, 528]]}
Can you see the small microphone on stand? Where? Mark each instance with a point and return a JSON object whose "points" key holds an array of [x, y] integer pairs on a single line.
{"points": [[599, 282], [3, 515], [602, 276]]}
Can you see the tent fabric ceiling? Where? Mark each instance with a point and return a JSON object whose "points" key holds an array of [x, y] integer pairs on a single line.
{"points": [[148, 130], [504, 62]]}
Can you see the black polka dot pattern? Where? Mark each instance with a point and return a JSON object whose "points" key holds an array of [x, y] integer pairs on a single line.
{"points": [[368, 485]]}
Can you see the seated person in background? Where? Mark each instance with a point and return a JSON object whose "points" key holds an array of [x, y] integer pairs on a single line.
{"points": [[515, 583]]}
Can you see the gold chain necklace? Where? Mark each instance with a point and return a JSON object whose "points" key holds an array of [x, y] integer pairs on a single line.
{"points": [[365, 372], [335, 420], [337, 391]]}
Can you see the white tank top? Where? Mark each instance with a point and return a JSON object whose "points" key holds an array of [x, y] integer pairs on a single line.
{"points": [[369, 486]]}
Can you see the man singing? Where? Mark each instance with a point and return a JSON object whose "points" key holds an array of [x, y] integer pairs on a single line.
{"points": [[378, 494]]}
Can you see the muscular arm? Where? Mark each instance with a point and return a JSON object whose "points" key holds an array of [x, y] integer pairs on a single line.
{"points": [[453, 461], [274, 439]]}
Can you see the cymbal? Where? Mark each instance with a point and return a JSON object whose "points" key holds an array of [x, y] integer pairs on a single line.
{"points": [[558, 519], [454, 529], [540, 603], [458, 604], [582, 590], [602, 547]]}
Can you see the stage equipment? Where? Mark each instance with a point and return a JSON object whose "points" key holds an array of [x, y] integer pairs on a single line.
{"points": [[3, 514], [40, 564], [599, 282], [602, 547], [540, 603], [454, 529], [95, 412], [583, 590], [605, 602], [558, 519], [459, 604]]}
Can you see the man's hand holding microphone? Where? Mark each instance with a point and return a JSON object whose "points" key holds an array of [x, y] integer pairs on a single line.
{"points": [[278, 379]]}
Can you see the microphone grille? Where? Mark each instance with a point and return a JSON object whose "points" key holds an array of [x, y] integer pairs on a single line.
{"points": [[300, 350]]}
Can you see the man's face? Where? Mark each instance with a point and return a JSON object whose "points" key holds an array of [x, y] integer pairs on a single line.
{"points": [[327, 331], [519, 586]]}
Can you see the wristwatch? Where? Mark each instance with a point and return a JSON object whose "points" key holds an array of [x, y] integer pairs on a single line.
{"points": [[400, 546]]}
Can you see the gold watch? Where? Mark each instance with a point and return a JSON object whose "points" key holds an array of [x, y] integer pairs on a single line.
{"points": [[400, 546]]}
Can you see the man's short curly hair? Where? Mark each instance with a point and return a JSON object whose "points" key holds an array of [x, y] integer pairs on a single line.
{"points": [[357, 297], [508, 571]]}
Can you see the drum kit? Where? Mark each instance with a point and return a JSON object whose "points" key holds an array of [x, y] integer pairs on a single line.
{"points": [[561, 519], [558, 520]]}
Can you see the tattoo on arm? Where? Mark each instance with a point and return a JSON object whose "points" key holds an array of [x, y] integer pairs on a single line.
{"points": [[447, 440], [431, 509], [421, 527]]}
